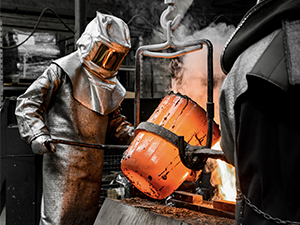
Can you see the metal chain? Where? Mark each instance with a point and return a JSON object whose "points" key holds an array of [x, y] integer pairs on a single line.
{"points": [[266, 215]]}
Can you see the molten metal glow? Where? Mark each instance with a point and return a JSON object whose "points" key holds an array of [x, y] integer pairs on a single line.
{"points": [[153, 164], [224, 177]]}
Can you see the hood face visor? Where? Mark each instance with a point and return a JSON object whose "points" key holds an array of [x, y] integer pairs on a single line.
{"points": [[108, 58], [104, 44]]}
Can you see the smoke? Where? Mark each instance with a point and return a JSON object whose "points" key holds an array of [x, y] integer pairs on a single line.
{"points": [[189, 77], [189, 73]]}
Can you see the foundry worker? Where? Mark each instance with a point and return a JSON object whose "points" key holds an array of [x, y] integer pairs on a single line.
{"points": [[259, 112], [77, 99]]}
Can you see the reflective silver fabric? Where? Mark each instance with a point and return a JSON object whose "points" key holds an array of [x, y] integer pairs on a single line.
{"points": [[103, 29], [100, 95], [75, 100], [71, 176]]}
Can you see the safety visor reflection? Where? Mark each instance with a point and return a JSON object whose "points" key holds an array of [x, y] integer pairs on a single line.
{"points": [[108, 58]]}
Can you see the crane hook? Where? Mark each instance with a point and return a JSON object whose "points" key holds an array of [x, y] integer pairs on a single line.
{"points": [[166, 14]]}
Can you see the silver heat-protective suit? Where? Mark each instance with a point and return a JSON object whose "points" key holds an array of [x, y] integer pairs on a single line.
{"points": [[77, 99]]}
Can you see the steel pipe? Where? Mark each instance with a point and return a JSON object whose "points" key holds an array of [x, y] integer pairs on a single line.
{"points": [[191, 46], [88, 145]]}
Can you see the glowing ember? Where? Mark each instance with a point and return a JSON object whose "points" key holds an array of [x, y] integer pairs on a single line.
{"points": [[224, 177]]}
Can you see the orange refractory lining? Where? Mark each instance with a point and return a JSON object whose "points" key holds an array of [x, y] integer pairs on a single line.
{"points": [[151, 163]]}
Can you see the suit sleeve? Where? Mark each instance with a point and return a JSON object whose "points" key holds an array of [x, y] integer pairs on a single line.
{"points": [[227, 141], [34, 102], [119, 129]]}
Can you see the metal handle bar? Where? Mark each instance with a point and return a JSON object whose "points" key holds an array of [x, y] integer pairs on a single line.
{"points": [[88, 145]]}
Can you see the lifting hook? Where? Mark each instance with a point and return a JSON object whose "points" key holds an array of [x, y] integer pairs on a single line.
{"points": [[164, 18]]}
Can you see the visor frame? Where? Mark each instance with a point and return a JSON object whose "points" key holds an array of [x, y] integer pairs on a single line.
{"points": [[114, 47], [108, 58]]}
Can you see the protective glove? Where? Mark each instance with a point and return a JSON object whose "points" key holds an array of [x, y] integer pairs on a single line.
{"points": [[39, 146], [119, 129]]}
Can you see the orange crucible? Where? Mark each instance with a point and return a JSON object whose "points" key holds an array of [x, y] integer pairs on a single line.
{"points": [[152, 163]]}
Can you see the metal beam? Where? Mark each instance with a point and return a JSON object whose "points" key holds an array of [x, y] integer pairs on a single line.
{"points": [[1, 66], [80, 18]]}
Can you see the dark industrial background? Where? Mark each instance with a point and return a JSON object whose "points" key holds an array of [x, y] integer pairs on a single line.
{"points": [[60, 24]]}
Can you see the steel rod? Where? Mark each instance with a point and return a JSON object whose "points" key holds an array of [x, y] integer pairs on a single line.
{"points": [[89, 145], [193, 156], [209, 153]]}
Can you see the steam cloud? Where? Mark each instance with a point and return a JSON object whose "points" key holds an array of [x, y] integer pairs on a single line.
{"points": [[189, 77], [189, 73]]}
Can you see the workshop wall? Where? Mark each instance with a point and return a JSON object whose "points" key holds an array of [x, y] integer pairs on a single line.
{"points": [[19, 18]]}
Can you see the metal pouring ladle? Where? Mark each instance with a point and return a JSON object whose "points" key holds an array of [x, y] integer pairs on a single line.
{"points": [[193, 157]]}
